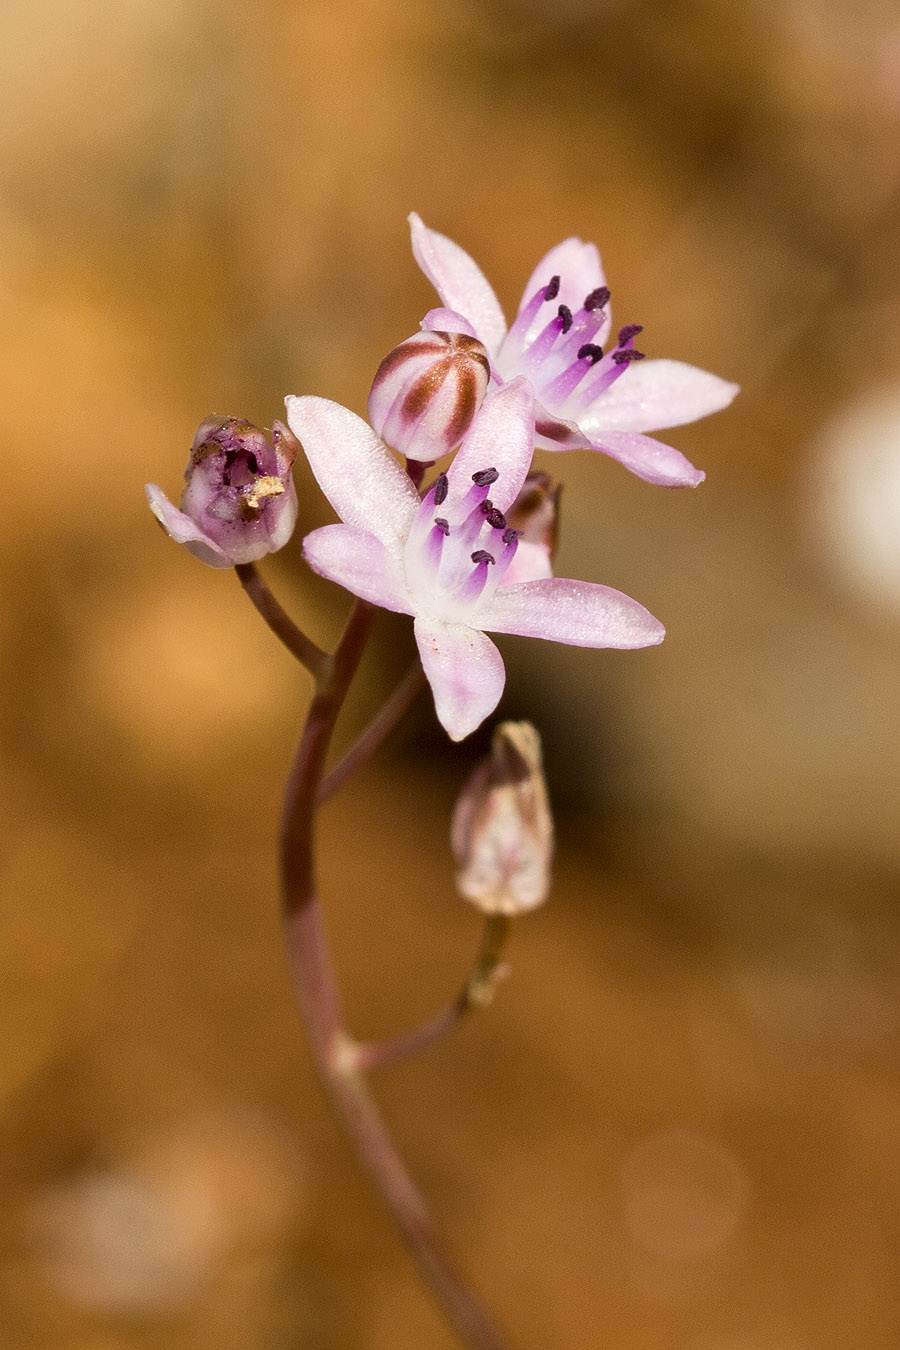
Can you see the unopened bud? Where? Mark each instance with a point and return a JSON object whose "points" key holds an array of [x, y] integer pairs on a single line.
{"points": [[239, 501], [426, 393], [502, 831]]}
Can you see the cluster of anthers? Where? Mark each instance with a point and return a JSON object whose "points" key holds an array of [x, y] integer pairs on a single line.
{"points": [[471, 553]]}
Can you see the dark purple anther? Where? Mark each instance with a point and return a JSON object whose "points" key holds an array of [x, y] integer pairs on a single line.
{"points": [[629, 331], [566, 315], [441, 488], [486, 505], [591, 351], [597, 299], [485, 476], [551, 290], [443, 525], [481, 555], [625, 358], [496, 519], [510, 536]]}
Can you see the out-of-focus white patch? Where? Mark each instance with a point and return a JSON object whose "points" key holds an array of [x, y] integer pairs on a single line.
{"points": [[140, 1238], [682, 1194], [855, 482]]}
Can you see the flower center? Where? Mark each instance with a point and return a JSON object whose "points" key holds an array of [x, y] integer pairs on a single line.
{"points": [[559, 353], [454, 562]]}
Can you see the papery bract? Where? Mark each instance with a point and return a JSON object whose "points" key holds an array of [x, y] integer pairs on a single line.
{"points": [[426, 393], [445, 558], [502, 832], [586, 397], [239, 501]]}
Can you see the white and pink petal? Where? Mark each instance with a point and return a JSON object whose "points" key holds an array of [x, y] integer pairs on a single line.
{"points": [[465, 671], [183, 530], [577, 613], [446, 321], [501, 438], [360, 563], [580, 271], [649, 459], [360, 477], [656, 394], [459, 282]]}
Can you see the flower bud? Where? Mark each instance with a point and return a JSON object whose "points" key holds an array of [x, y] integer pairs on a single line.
{"points": [[502, 832], [426, 393], [239, 501]]}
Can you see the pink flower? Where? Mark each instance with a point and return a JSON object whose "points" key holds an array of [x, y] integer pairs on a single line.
{"points": [[445, 559], [239, 501], [589, 393]]}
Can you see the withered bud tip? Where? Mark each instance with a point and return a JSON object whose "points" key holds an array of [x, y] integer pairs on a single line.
{"points": [[502, 830]]}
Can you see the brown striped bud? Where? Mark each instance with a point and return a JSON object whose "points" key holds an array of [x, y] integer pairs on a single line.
{"points": [[502, 831], [426, 393]]}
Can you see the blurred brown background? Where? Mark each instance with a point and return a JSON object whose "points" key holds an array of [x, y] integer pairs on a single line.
{"points": [[677, 1129]]}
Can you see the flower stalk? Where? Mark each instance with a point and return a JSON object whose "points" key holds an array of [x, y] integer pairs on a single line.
{"points": [[477, 992], [315, 987]]}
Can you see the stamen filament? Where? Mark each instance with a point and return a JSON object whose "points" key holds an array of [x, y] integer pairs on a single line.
{"points": [[526, 317], [474, 584], [543, 343]]}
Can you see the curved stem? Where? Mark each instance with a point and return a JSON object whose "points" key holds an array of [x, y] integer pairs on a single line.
{"points": [[281, 624], [316, 990], [477, 992], [376, 732]]}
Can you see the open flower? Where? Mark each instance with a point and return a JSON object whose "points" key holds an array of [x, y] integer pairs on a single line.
{"points": [[445, 559], [590, 392], [239, 501]]}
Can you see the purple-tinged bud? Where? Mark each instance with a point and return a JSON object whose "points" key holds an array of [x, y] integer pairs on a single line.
{"points": [[239, 501], [426, 393], [502, 832]]}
